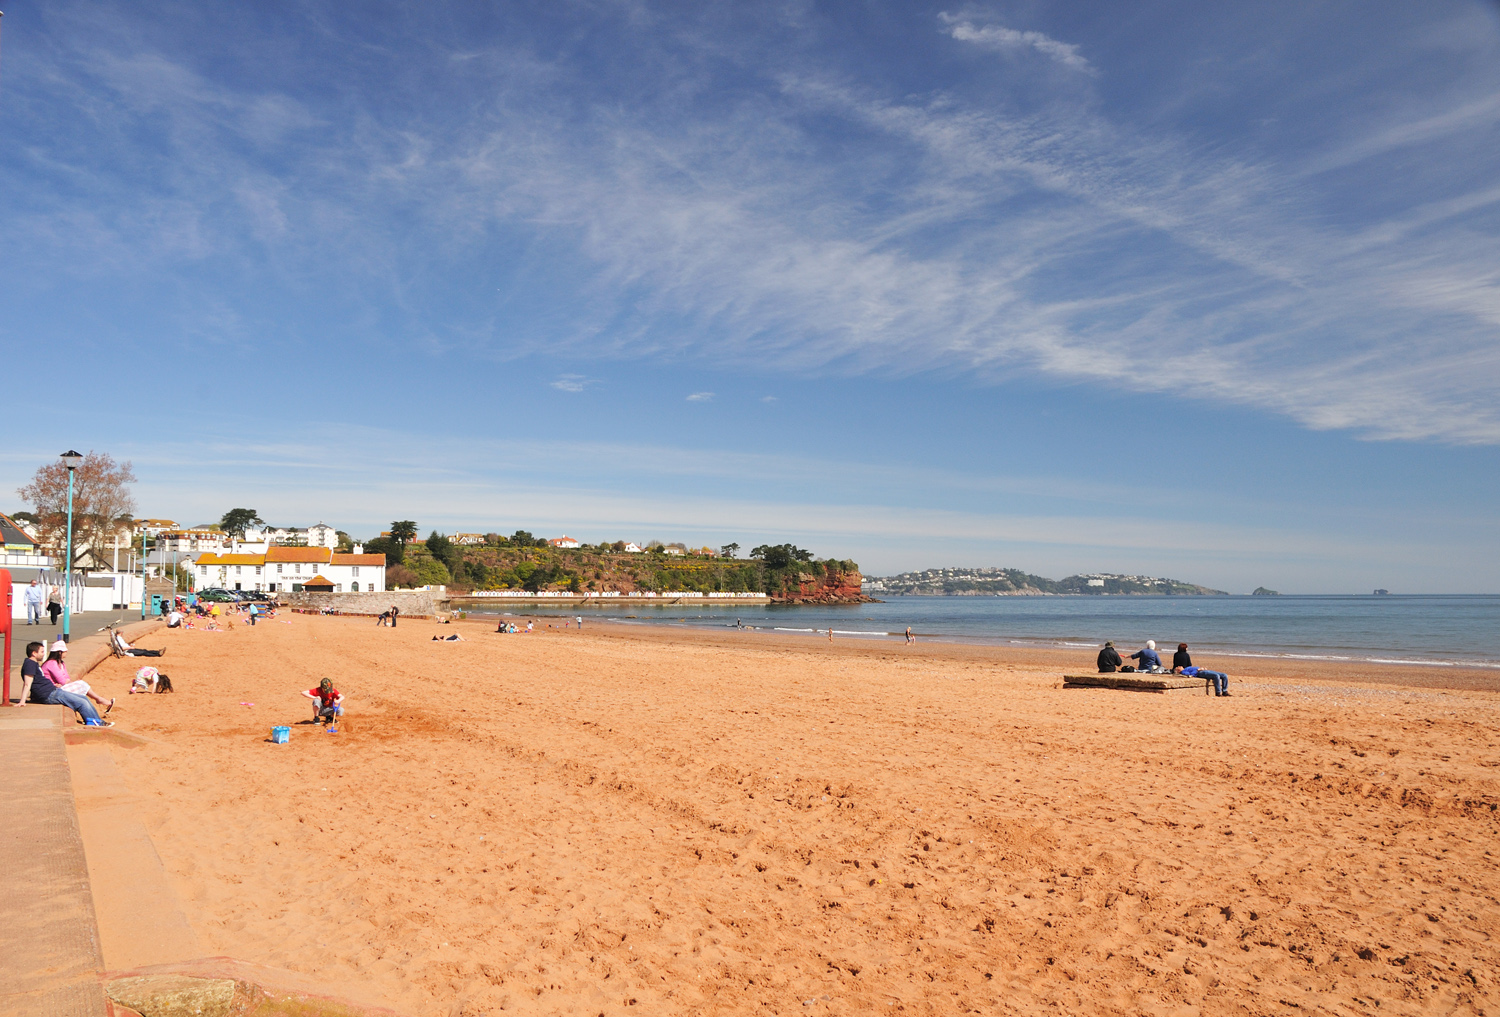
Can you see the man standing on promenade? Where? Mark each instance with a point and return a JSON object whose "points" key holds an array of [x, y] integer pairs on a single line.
{"points": [[35, 598]]}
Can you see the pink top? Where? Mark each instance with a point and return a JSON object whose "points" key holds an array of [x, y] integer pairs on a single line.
{"points": [[56, 672]]}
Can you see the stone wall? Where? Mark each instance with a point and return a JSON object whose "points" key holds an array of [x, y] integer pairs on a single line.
{"points": [[411, 602]]}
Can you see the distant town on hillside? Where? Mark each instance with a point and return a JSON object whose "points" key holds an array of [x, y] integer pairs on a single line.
{"points": [[997, 582]]}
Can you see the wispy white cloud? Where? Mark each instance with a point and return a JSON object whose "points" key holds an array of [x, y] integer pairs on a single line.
{"points": [[573, 382], [1001, 38], [700, 397]]}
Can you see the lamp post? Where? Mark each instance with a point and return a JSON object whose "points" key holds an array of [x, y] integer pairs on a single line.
{"points": [[71, 460]]}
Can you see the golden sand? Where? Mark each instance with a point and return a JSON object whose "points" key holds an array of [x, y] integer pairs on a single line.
{"points": [[629, 821]]}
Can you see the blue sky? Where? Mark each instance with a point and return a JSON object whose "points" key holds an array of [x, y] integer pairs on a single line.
{"points": [[1201, 290]]}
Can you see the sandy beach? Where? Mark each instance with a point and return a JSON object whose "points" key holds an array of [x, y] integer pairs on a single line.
{"points": [[662, 821]]}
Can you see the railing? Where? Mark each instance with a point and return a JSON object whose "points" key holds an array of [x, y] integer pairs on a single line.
{"points": [[36, 561]]}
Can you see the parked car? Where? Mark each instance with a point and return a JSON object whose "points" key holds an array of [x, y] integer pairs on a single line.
{"points": [[259, 596], [218, 596]]}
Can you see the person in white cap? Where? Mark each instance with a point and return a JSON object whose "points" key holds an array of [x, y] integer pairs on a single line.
{"points": [[1148, 657], [57, 672]]}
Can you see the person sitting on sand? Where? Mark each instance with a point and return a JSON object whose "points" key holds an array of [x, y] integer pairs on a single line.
{"points": [[175, 619], [1182, 663], [38, 688], [327, 701], [57, 671], [1109, 658], [126, 650], [1148, 657]]}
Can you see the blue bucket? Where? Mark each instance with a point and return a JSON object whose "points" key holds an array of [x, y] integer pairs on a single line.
{"points": [[281, 735]]}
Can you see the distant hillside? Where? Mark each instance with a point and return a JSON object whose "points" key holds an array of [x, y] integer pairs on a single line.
{"points": [[995, 582]]}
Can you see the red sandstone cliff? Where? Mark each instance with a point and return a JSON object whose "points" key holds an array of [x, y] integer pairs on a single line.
{"points": [[834, 588]]}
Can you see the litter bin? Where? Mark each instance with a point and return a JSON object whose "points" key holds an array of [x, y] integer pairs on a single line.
{"points": [[156, 603]]}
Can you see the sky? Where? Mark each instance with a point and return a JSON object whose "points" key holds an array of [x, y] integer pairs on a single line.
{"points": [[1208, 291]]}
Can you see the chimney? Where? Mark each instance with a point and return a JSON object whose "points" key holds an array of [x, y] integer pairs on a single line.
{"points": [[359, 549]]}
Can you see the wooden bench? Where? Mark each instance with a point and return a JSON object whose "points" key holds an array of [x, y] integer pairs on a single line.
{"points": [[1160, 683]]}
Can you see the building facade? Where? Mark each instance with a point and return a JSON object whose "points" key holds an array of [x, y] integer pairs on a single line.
{"points": [[291, 569]]}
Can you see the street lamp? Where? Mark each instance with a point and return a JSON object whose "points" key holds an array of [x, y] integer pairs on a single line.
{"points": [[71, 460]]}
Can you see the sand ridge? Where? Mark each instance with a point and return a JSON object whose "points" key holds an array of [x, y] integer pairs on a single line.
{"points": [[621, 821]]}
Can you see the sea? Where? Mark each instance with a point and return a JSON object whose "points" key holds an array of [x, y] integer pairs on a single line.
{"points": [[1434, 631]]}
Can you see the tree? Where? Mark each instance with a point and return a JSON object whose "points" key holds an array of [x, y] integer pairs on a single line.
{"points": [[400, 575], [100, 496], [729, 550], [403, 532], [238, 520], [394, 552], [443, 549], [779, 556], [345, 542]]}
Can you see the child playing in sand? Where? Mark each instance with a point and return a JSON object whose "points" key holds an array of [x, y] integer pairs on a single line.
{"points": [[327, 700]]}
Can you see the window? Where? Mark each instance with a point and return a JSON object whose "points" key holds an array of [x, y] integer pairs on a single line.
{"points": [[257, 570], [238, 569], [354, 570], [299, 568], [278, 569]]}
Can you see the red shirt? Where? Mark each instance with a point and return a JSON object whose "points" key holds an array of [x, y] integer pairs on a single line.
{"points": [[327, 697]]}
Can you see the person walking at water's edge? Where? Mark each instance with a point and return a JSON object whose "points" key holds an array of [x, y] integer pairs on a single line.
{"points": [[909, 637], [1109, 658], [1182, 664]]}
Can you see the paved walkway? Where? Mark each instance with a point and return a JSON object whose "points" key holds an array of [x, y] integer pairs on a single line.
{"points": [[49, 944]]}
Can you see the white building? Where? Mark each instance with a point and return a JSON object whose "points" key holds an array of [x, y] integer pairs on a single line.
{"points": [[291, 570], [563, 541], [184, 541], [318, 535], [631, 547]]}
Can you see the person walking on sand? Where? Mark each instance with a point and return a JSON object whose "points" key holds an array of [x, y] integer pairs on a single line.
{"points": [[57, 671], [54, 603], [35, 598], [1182, 663], [327, 702], [909, 637], [38, 688]]}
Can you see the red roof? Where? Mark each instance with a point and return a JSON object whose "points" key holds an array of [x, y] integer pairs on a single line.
{"points": [[321, 555], [358, 559]]}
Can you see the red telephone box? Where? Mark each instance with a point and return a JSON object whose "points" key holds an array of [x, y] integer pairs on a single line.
{"points": [[5, 626]]}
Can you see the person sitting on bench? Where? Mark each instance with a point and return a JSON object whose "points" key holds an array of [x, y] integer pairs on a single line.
{"points": [[1182, 664], [124, 649]]}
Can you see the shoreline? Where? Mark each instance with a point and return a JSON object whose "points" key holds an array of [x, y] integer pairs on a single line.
{"points": [[1327, 669]]}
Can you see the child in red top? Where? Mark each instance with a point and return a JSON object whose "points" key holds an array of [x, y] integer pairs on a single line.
{"points": [[326, 701]]}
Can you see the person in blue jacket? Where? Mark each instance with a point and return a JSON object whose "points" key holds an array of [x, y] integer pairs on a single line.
{"points": [[1182, 663], [1147, 656]]}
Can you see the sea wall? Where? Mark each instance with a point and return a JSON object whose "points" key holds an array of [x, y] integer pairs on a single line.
{"points": [[411, 602]]}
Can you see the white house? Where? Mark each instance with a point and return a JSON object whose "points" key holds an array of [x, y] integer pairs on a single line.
{"points": [[632, 548], [291, 570], [564, 541], [184, 541], [318, 535]]}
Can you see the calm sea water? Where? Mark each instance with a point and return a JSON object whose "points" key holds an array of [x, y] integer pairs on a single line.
{"points": [[1433, 630]]}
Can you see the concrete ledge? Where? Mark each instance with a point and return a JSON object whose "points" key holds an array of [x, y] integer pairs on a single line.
{"points": [[1139, 682]]}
